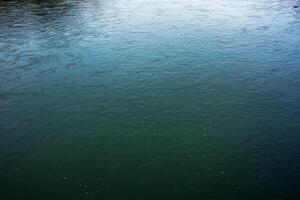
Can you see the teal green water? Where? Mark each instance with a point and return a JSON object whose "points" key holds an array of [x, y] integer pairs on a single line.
{"points": [[148, 99]]}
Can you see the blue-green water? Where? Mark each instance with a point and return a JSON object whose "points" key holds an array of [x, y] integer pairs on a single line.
{"points": [[150, 99]]}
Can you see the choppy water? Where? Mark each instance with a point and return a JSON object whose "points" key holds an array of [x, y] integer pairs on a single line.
{"points": [[150, 99]]}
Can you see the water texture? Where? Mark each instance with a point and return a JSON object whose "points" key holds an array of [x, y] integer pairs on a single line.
{"points": [[150, 99]]}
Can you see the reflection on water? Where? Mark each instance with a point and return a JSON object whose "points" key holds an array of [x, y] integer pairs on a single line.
{"points": [[149, 99]]}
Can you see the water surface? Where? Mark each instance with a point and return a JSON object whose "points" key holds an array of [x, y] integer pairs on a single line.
{"points": [[149, 99]]}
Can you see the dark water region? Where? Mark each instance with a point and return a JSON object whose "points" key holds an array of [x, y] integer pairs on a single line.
{"points": [[150, 99]]}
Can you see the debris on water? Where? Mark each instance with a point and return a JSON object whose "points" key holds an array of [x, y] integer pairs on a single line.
{"points": [[296, 6], [65, 178], [83, 186], [15, 169], [222, 172]]}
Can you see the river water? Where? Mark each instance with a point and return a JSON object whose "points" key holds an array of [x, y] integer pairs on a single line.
{"points": [[150, 99]]}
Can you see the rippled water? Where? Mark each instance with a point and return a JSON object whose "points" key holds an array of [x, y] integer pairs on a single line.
{"points": [[150, 99]]}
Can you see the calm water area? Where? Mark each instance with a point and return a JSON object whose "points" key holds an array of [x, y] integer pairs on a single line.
{"points": [[150, 99]]}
